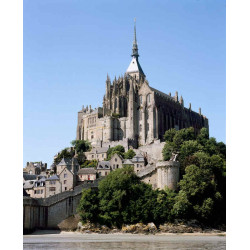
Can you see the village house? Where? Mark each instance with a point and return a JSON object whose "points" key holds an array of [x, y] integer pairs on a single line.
{"points": [[39, 188], [87, 175], [67, 179], [71, 164], [35, 167], [97, 153], [139, 162], [53, 186], [103, 168], [28, 187], [116, 161]]}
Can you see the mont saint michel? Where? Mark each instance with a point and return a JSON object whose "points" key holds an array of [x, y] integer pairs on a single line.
{"points": [[142, 163]]}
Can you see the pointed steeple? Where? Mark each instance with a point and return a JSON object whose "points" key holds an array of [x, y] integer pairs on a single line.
{"points": [[135, 46], [134, 68]]}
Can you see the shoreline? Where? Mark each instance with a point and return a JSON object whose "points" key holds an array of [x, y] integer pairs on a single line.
{"points": [[77, 233]]}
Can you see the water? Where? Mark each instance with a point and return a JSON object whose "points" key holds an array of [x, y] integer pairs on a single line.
{"points": [[122, 241]]}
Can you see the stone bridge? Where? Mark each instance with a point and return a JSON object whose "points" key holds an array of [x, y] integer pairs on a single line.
{"points": [[47, 213]]}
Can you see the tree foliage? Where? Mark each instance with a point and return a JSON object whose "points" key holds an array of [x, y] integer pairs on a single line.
{"points": [[119, 149], [129, 154], [65, 153], [122, 198], [81, 145]]}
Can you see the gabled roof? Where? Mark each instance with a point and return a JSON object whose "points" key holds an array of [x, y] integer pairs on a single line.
{"points": [[29, 184], [103, 165], [53, 177], [118, 156], [29, 176], [87, 171], [138, 158], [127, 162], [99, 150], [68, 161]]}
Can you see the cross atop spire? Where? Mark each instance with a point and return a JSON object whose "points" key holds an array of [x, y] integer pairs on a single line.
{"points": [[135, 46]]}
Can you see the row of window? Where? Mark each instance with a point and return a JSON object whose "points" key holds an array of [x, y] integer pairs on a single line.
{"points": [[147, 98]]}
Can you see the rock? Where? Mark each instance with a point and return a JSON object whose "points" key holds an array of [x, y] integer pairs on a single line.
{"points": [[79, 225], [87, 231]]}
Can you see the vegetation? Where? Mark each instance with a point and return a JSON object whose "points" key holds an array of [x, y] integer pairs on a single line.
{"points": [[122, 199], [89, 164], [129, 154], [119, 149], [65, 153], [81, 145]]}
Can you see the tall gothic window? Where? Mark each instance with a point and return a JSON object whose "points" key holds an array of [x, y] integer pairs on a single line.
{"points": [[148, 99], [140, 97]]}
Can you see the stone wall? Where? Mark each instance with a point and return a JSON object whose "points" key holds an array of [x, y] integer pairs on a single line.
{"points": [[162, 174], [47, 213]]}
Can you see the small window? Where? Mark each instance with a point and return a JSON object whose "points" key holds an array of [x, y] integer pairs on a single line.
{"points": [[65, 181], [106, 173], [41, 191], [51, 189], [65, 175], [92, 156], [115, 159], [65, 188]]}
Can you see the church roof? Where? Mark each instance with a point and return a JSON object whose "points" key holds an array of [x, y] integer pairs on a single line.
{"points": [[134, 66], [161, 93]]}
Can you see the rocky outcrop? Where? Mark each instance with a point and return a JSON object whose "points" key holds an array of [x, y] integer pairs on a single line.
{"points": [[191, 226]]}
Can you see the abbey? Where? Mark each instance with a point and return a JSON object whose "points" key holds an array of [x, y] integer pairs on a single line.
{"points": [[134, 113]]}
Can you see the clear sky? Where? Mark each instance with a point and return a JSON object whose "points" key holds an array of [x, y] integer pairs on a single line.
{"points": [[70, 46]]}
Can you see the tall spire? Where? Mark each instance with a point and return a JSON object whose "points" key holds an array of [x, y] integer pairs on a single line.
{"points": [[135, 46]]}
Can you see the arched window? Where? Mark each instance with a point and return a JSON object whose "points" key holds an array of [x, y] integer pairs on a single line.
{"points": [[148, 98], [140, 99]]}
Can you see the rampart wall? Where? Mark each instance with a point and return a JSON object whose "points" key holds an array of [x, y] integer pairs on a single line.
{"points": [[47, 213]]}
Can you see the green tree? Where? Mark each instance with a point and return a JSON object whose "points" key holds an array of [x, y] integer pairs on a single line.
{"points": [[129, 154], [169, 135], [81, 145], [63, 154], [88, 207], [167, 150], [119, 149]]}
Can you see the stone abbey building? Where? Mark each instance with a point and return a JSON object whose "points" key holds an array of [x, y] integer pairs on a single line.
{"points": [[135, 113]]}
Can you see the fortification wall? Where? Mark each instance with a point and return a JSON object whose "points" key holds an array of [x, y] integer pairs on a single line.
{"points": [[152, 151], [47, 213]]}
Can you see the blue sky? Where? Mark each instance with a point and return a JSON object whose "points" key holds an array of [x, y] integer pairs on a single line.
{"points": [[70, 46]]}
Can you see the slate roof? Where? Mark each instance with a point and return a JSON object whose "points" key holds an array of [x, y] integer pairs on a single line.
{"points": [[127, 162], [118, 156], [99, 150], [134, 66], [29, 176], [29, 184], [87, 171], [161, 93], [103, 165], [68, 161], [53, 177], [138, 158]]}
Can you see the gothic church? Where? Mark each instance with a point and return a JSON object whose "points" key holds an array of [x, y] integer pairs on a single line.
{"points": [[134, 113]]}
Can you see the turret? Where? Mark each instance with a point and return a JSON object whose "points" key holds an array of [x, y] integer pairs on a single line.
{"points": [[108, 87], [181, 101]]}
